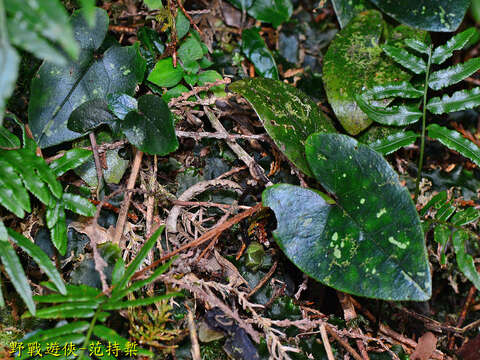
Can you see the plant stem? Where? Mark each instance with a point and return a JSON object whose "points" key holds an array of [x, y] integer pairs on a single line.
{"points": [[89, 333], [424, 120]]}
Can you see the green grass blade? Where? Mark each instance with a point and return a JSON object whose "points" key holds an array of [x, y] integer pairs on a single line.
{"points": [[135, 264]]}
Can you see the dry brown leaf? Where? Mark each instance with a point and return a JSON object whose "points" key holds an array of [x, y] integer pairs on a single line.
{"points": [[425, 348], [471, 349]]}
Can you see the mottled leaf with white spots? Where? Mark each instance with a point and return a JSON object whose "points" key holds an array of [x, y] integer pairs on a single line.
{"points": [[370, 243]]}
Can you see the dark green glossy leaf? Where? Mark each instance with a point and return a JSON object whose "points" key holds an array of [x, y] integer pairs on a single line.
{"points": [[241, 4], [460, 100], [182, 24], [3, 232], [7, 139], [121, 104], [370, 242], [288, 115], [457, 42], [434, 202], [274, 12], [70, 160], [346, 10], [9, 61], [354, 63], [118, 305], [438, 15], [399, 89], [17, 276], [90, 115], [464, 217], [406, 59], [464, 260], [78, 204], [455, 141], [40, 258], [255, 49], [417, 45], [395, 115], [48, 18], [56, 91], [164, 74], [445, 211], [142, 254], [88, 11], [13, 195], [57, 224], [190, 50], [151, 129], [453, 74], [394, 142]]}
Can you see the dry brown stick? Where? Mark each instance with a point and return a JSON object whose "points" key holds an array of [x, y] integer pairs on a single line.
{"points": [[204, 238], [349, 315], [326, 343], [197, 89], [198, 188], [207, 204], [342, 342], [96, 158], [150, 198], [197, 135], [128, 196], [437, 355], [264, 280], [256, 170], [195, 350], [189, 17]]}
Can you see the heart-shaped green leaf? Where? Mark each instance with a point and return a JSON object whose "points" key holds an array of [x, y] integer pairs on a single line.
{"points": [[288, 115], [151, 129], [432, 15], [370, 243], [271, 11], [58, 90], [355, 62]]}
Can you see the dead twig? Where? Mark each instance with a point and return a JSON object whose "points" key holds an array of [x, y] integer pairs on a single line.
{"points": [[96, 158], [326, 343], [128, 196], [202, 134], [342, 342], [195, 350], [264, 279]]}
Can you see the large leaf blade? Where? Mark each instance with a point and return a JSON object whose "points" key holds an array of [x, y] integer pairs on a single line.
{"points": [[459, 100], [455, 141], [288, 115], [438, 15], [151, 129], [370, 243], [58, 90], [453, 74]]}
